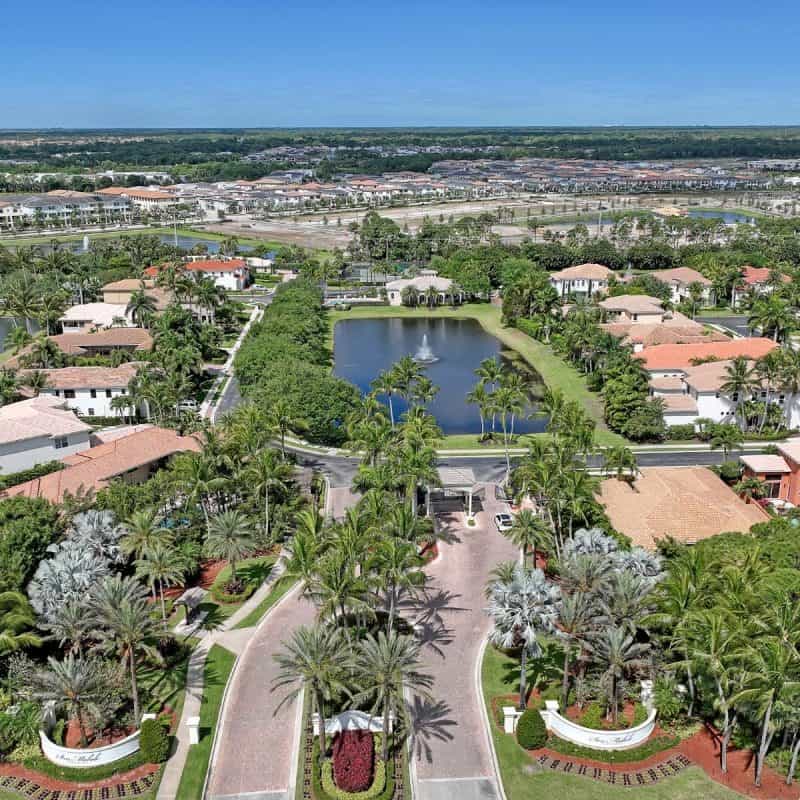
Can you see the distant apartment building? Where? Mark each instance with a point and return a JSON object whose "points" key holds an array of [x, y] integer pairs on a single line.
{"points": [[143, 198], [61, 207]]}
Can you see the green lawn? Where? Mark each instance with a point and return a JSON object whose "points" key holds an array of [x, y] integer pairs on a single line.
{"points": [[219, 664], [499, 676], [254, 617], [555, 372]]}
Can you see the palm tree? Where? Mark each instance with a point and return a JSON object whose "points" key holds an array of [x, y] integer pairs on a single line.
{"points": [[160, 565], [616, 649], [740, 381], [415, 465], [8, 386], [386, 666], [265, 471], [281, 417], [317, 660], [35, 380], [141, 308], [773, 316], [195, 475], [529, 532], [523, 610], [305, 549], [143, 532], [489, 373], [620, 461], [43, 353], [230, 537], [386, 384], [18, 338], [575, 616], [750, 488], [479, 397], [725, 437], [397, 564], [126, 627], [17, 620], [68, 624], [74, 684]]}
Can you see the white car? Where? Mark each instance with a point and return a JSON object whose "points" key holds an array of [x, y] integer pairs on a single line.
{"points": [[503, 522]]}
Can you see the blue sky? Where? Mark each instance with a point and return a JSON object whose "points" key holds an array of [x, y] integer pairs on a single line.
{"points": [[231, 63]]}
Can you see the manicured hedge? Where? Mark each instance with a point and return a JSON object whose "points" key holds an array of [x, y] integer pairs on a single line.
{"points": [[323, 787], [656, 745], [353, 757], [531, 730], [153, 741], [25, 475], [85, 774]]}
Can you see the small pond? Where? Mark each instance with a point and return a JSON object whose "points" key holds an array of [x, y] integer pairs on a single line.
{"points": [[728, 217], [365, 347]]}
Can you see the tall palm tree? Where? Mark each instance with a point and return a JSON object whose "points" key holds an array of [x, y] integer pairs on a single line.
{"points": [[231, 537], [315, 659], [523, 610], [416, 466], [773, 316], [127, 628], [337, 590], [17, 621], [725, 437], [74, 684], [282, 418], [143, 531], [265, 471], [619, 461], [386, 666], [305, 549], [386, 384], [620, 654], [478, 396], [740, 380], [529, 532], [160, 566], [141, 308], [397, 567], [575, 622]]}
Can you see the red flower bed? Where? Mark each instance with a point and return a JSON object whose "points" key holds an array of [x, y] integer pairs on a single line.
{"points": [[353, 759]]}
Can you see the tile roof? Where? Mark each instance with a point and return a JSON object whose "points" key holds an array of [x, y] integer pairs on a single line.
{"points": [[92, 469], [680, 356], [91, 377], [592, 272], [754, 275], [95, 313], [684, 275], [634, 303], [686, 503], [707, 377], [39, 416], [791, 449], [78, 343], [128, 285], [667, 384], [679, 403], [765, 463]]}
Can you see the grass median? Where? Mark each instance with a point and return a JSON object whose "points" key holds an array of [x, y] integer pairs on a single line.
{"points": [[216, 672]]}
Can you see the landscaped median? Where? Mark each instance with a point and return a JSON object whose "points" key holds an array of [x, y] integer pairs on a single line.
{"points": [[217, 671], [655, 767]]}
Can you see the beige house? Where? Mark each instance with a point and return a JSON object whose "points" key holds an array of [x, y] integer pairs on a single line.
{"points": [[634, 308], [583, 281]]}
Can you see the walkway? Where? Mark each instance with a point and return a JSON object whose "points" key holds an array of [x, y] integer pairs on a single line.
{"points": [[451, 751]]}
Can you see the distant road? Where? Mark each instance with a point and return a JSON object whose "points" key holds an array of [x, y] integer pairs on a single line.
{"points": [[737, 324]]}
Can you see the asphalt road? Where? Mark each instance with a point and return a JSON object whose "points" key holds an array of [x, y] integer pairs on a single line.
{"points": [[737, 324]]}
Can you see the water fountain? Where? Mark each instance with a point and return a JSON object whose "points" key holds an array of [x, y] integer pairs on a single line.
{"points": [[425, 355]]}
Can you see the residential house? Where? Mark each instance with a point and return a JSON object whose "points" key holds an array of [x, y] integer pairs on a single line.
{"points": [[39, 430], [88, 316], [132, 459], [635, 308], [120, 292], [422, 283], [90, 390], [687, 504], [677, 329], [755, 280], [231, 274], [780, 472], [146, 199], [672, 360], [680, 280], [583, 281], [99, 343]]}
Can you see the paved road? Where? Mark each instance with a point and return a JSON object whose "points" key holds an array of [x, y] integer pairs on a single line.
{"points": [[737, 324], [451, 756], [230, 398], [255, 747]]}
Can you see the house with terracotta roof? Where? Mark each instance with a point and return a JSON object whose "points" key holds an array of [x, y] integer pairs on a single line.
{"points": [[755, 280], [680, 279], [39, 430], [634, 308], [675, 329], [120, 292], [231, 274], [141, 197], [780, 472], [94, 316], [673, 359], [90, 390], [132, 459], [583, 281], [687, 504]]}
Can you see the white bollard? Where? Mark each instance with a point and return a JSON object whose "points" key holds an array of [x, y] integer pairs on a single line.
{"points": [[193, 723], [510, 716], [551, 707], [647, 695]]}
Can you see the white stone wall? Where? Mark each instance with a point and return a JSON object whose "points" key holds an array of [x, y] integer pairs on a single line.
{"points": [[86, 405]]}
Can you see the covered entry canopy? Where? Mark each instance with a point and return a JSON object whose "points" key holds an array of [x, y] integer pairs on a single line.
{"points": [[461, 480]]}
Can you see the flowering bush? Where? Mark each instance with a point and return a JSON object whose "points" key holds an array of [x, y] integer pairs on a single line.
{"points": [[353, 759]]}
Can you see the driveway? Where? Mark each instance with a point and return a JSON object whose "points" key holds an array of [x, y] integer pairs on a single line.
{"points": [[451, 755], [255, 751], [735, 324]]}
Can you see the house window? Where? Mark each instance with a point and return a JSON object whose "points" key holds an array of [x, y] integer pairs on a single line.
{"points": [[69, 393], [92, 393], [90, 412], [60, 442], [735, 396], [108, 392]]}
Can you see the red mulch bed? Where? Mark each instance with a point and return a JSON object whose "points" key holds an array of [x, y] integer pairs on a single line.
{"points": [[18, 771], [627, 713], [703, 750], [72, 736]]}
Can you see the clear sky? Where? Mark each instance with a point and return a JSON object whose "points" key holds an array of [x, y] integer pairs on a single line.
{"points": [[231, 63]]}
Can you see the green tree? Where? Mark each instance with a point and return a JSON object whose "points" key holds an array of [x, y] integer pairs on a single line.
{"points": [[232, 538], [17, 622], [529, 532]]}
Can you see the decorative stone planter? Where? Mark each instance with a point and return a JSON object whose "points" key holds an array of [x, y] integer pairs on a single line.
{"points": [[93, 757], [350, 721]]}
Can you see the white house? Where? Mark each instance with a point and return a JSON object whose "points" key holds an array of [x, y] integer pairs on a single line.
{"points": [[90, 390], [39, 430], [422, 283], [231, 274], [584, 280], [94, 315], [755, 280], [680, 279]]}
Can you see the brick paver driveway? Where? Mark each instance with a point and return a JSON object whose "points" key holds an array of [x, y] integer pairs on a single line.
{"points": [[452, 759], [254, 754]]}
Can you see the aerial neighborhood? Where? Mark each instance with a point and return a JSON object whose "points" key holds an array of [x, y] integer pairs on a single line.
{"points": [[417, 463]]}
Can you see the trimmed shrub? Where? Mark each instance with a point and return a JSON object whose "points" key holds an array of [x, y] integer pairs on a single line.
{"points": [[323, 787], [353, 758], [153, 741], [332, 790], [592, 716], [531, 730], [681, 432]]}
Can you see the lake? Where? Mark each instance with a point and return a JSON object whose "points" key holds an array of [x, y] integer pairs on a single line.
{"points": [[184, 242], [728, 217], [6, 324], [365, 347]]}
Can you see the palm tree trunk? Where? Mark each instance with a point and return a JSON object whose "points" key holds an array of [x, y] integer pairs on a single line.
{"points": [[523, 661], [323, 745], [386, 717], [565, 679], [163, 605], [81, 726], [766, 739], [793, 762], [266, 514], [391, 409], [134, 686]]}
